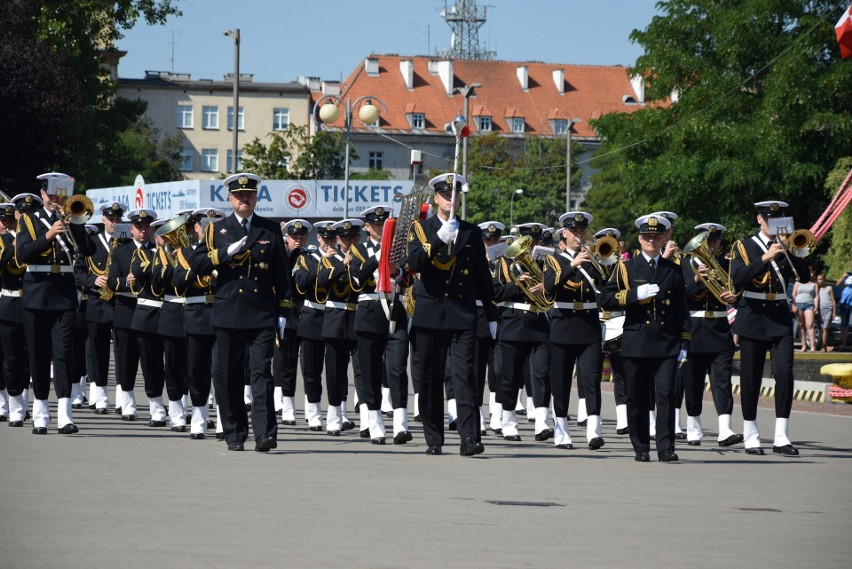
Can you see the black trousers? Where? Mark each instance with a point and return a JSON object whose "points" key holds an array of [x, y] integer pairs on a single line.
{"points": [[48, 335], [518, 358], [79, 352], [752, 358], [415, 360], [15, 370], [641, 374], [589, 360], [383, 360], [285, 363], [718, 366], [151, 360], [481, 353], [432, 347], [312, 353], [233, 344], [174, 355], [495, 364], [98, 353], [337, 356], [126, 358], [619, 389], [199, 356]]}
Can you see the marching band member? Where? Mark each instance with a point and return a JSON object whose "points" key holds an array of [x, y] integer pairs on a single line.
{"points": [[575, 330], [483, 355], [285, 360], [338, 323], [764, 323], [450, 257], [15, 369], [49, 299], [383, 353], [523, 331], [249, 309], [651, 292], [90, 272], [711, 350]]}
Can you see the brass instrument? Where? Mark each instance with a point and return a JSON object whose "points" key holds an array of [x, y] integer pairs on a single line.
{"points": [[175, 235], [522, 262], [78, 209], [4, 197], [717, 279], [799, 243], [106, 292], [602, 254]]}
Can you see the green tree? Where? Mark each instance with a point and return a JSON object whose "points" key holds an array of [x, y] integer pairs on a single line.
{"points": [[309, 158], [838, 260], [763, 112]]}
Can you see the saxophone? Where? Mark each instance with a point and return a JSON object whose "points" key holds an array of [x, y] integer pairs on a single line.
{"points": [[106, 292]]}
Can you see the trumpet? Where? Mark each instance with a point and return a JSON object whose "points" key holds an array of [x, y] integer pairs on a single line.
{"points": [[602, 253], [78, 210], [522, 262]]}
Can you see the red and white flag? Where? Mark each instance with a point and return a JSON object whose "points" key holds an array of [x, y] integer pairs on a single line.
{"points": [[843, 31]]}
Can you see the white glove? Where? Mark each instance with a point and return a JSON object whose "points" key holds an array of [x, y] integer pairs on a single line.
{"points": [[647, 291], [492, 327], [237, 245], [448, 231], [681, 357], [282, 322]]}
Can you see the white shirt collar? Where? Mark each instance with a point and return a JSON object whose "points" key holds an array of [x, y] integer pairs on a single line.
{"points": [[240, 219], [648, 259]]}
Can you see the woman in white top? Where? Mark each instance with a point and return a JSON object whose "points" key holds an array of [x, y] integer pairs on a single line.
{"points": [[804, 307], [827, 308]]}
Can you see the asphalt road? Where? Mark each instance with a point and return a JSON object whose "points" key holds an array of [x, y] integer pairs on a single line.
{"points": [[126, 495]]}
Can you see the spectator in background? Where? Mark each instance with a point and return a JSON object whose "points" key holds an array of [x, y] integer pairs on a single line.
{"points": [[623, 251], [845, 306], [827, 308], [805, 305]]}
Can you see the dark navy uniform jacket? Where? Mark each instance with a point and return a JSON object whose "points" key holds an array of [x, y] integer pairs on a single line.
{"points": [[196, 315], [710, 335], [516, 324], [146, 316], [11, 277], [370, 316], [333, 278], [91, 264], [566, 284], [170, 322], [124, 301], [305, 281]]}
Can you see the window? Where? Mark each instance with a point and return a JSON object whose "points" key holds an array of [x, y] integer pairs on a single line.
{"points": [[376, 160], [560, 126], [186, 160], [484, 124], [184, 116], [230, 159], [209, 117], [209, 160], [517, 124], [280, 119], [240, 119], [418, 120]]}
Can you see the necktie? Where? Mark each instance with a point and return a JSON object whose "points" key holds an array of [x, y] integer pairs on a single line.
{"points": [[244, 224], [653, 263]]}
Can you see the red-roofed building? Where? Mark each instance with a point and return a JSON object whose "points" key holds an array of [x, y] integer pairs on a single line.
{"points": [[513, 99]]}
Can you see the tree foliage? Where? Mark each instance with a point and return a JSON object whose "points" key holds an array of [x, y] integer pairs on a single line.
{"points": [[63, 113], [763, 113], [309, 158], [838, 260]]}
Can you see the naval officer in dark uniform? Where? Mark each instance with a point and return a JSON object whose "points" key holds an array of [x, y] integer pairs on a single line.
{"points": [[249, 309], [650, 290], [764, 323], [450, 256], [16, 377]]}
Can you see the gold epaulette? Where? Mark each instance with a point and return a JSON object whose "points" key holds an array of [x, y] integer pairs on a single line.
{"points": [[357, 254], [686, 336], [283, 304], [182, 260], [740, 248], [620, 274], [29, 225], [421, 235], [554, 264], [93, 268]]}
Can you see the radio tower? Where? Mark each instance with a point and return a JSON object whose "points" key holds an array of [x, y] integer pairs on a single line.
{"points": [[465, 19]]}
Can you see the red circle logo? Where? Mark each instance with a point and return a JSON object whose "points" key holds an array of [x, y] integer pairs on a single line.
{"points": [[140, 198], [297, 198]]}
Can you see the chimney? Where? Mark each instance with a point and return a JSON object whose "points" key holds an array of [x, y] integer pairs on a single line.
{"points": [[523, 77], [406, 67], [445, 72], [371, 66], [638, 84], [559, 80], [331, 87]]}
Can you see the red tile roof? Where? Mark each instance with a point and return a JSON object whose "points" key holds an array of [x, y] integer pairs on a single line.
{"points": [[588, 92]]}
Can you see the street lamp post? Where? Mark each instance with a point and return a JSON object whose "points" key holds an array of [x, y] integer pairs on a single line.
{"points": [[466, 92], [236, 35], [571, 123], [518, 192], [328, 113]]}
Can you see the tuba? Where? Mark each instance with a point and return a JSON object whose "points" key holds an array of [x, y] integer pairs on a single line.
{"points": [[174, 233], [522, 262], [717, 279]]}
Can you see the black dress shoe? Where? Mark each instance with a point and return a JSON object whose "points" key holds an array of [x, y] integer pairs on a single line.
{"points": [[118, 410], [452, 426], [544, 435], [521, 412], [680, 436], [178, 429], [76, 405], [347, 426], [378, 441], [197, 436], [565, 447], [128, 417], [731, 441], [211, 424], [27, 416], [69, 429], [470, 447], [153, 423], [39, 430], [512, 438], [265, 443], [334, 433], [433, 450], [642, 457], [248, 407], [498, 432], [236, 446], [4, 418], [417, 418], [667, 456], [220, 436], [623, 431], [582, 423], [16, 423], [596, 443], [364, 434], [388, 414], [288, 422], [316, 428], [402, 437], [694, 443], [92, 406], [786, 450], [755, 451], [101, 411]]}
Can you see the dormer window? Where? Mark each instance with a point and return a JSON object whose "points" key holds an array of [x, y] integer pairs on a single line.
{"points": [[484, 124], [418, 120], [560, 126], [517, 124]]}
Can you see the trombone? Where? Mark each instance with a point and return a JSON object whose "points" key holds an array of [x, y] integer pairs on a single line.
{"points": [[602, 253], [78, 210], [800, 243]]}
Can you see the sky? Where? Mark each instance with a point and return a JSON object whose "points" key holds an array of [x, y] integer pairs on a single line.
{"points": [[283, 39]]}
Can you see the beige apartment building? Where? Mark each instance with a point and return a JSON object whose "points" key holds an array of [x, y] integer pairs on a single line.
{"points": [[200, 112]]}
